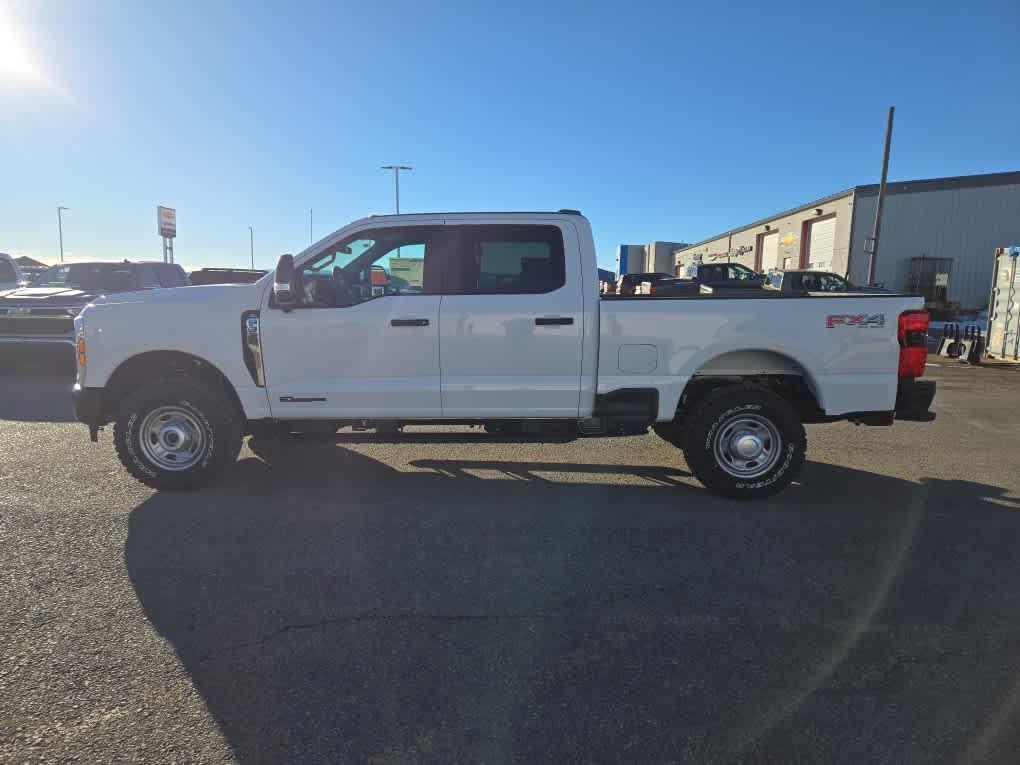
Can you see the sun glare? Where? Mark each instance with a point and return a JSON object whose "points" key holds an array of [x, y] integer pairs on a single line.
{"points": [[15, 59]]}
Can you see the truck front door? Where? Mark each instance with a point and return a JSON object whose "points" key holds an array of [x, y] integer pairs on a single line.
{"points": [[364, 340], [511, 321]]}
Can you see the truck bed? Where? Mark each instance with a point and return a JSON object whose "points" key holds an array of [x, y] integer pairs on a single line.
{"points": [[844, 345]]}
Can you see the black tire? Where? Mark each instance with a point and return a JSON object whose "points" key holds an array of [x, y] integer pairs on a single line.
{"points": [[747, 409], [208, 417]]}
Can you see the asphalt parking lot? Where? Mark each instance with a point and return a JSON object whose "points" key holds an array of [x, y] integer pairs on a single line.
{"points": [[356, 600]]}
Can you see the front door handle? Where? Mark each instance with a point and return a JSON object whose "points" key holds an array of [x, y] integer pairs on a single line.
{"points": [[545, 321], [409, 322]]}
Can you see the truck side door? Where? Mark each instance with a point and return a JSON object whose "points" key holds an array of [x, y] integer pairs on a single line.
{"points": [[511, 321], [364, 341]]}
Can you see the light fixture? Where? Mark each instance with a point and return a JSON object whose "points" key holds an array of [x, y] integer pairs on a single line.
{"points": [[818, 211]]}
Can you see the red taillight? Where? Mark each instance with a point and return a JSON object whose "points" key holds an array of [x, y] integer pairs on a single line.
{"points": [[913, 336]]}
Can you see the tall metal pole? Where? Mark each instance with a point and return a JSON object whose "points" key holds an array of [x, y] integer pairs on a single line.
{"points": [[60, 231], [251, 241], [396, 180], [877, 231]]}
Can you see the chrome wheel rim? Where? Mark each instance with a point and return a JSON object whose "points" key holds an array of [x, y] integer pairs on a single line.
{"points": [[747, 445], [172, 438]]}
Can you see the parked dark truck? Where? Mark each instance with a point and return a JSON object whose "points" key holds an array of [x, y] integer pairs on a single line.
{"points": [[43, 312], [812, 281], [707, 278]]}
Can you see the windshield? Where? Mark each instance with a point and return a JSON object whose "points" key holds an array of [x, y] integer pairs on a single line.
{"points": [[86, 276], [741, 273]]}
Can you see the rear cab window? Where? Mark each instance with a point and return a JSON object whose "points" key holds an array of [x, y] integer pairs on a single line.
{"points": [[504, 260], [171, 276], [146, 276]]}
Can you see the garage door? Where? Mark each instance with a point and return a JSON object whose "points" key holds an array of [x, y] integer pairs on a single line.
{"points": [[770, 251], [823, 240]]}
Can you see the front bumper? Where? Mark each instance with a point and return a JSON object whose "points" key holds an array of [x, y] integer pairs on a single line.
{"points": [[913, 400]]}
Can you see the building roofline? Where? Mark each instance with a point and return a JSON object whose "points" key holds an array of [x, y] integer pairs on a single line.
{"points": [[767, 218], [895, 187], [938, 184]]}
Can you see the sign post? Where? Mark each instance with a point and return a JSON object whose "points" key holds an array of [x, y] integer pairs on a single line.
{"points": [[166, 222]]}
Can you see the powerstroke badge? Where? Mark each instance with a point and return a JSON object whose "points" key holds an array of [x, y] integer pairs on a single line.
{"points": [[855, 320]]}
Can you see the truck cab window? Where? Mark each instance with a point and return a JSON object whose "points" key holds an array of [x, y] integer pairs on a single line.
{"points": [[373, 265], [500, 260], [147, 277], [171, 276]]}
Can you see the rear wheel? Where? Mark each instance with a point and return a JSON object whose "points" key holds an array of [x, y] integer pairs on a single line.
{"points": [[744, 441], [177, 433]]}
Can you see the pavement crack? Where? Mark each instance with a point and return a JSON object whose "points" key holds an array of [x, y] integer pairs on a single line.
{"points": [[368, 618]]}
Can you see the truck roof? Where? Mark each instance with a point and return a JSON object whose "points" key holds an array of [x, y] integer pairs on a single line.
{"points": [[475, 213]]}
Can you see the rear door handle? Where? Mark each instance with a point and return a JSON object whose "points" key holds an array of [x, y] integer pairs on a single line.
{"points": [[545, 321], [409, 322]]}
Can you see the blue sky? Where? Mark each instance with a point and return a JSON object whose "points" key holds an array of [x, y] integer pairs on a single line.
{"points": [[658, 120]]}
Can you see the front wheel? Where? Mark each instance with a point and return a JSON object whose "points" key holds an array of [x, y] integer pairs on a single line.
{"points": [[744, 441], [177, 433]]}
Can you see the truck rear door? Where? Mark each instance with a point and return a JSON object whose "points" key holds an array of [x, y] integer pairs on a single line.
{"points": [[511, 321]]}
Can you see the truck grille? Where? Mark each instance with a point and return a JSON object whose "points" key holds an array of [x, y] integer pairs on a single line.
{"points": [[36, 325]]}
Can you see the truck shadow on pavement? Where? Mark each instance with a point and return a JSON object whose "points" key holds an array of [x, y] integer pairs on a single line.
{"points": [[29, 397], [500, 610]]}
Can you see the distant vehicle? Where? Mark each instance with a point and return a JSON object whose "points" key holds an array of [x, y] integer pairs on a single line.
{"points": [[669, 288], [812, 281], [31, 272], [43, 311], [715, 277], [629, 282], [225, 276], [11, 275], [723, 275]]}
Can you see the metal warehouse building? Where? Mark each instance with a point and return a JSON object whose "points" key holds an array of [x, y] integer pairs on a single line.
{"points": [[938, 236]]}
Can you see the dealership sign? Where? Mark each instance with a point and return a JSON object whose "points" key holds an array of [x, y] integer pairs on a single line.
{"points": [[166, 220]]}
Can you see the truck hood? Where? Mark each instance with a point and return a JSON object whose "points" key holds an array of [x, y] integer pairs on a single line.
{"points": [[205, 294], [44, 297]]}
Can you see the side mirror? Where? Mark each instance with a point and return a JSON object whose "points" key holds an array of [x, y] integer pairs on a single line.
{"points": [[286, 290]]}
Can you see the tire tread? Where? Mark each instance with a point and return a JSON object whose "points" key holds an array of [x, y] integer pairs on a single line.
{"points": [[217, 408]]}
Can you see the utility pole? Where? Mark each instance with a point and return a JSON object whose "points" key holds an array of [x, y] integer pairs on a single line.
{"points": [[880, 203], [251, 241], [396, 179], [60, 231]]}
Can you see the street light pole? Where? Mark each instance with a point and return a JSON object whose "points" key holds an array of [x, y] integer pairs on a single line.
{"points": [[880, 202], [60, 231], [396, 179], [251, 241]]}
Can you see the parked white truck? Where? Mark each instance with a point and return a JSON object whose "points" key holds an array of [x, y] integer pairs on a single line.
{"points": [[491, 319]]}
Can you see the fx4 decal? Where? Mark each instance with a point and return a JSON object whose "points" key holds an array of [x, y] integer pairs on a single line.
{"points": [[855, 320]]}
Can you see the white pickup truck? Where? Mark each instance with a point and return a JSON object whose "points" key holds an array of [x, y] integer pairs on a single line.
{"points": [[490, 319]]}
